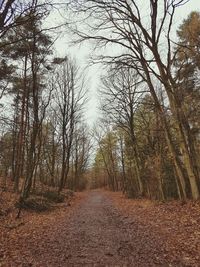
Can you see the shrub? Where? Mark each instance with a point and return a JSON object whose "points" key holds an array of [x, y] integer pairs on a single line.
{"points": [[54, 196], [38, 204]]}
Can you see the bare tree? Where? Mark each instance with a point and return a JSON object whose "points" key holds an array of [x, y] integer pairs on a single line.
{"points": [[142, 36], [70, 99], [121, 92], [82, 146]]}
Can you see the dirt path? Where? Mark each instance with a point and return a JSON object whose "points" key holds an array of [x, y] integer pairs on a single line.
{"points": [[95, 234], [98, 235]]}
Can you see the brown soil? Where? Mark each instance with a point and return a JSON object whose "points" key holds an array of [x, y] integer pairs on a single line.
{"points": [[95, 231]]}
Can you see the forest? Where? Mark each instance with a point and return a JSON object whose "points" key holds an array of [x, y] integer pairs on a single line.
{"points": [[144, 146]]}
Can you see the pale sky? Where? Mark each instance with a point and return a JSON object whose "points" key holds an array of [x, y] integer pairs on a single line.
{"points": [[82, 55]]}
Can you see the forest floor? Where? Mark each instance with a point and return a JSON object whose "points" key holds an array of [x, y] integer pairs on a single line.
{"points": [[101, 228]]}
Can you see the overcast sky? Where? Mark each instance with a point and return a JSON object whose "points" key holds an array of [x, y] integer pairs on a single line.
{"points": [[82, 55]]}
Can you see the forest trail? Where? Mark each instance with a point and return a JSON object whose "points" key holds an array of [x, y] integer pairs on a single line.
{"points": [[94, 232], [98, 235]]}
